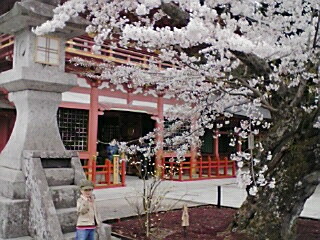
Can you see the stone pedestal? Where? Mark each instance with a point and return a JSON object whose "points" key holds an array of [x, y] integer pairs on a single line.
{"points": [[36, 126]]}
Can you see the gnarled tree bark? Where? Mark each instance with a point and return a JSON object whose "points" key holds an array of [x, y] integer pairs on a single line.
{"points": [[272, 214]]}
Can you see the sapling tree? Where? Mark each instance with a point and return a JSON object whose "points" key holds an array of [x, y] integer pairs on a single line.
{"points": [[229, 57], [151, 204], [148, 202]]}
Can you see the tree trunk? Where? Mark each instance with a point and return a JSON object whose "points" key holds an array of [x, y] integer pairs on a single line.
{"points": [[272, 213]]}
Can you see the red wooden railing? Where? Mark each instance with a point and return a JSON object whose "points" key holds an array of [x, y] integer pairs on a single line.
{"points": [[206, 167], [6, 40], [6, 46], [102, 175], [82, 46]]}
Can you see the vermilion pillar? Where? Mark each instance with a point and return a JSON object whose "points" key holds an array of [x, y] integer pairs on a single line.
{"points": [[93, 124], [216, 145], [159, 137]]}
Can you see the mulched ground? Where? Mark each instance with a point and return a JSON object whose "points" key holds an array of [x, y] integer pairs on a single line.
{"points": [[206, 223]]}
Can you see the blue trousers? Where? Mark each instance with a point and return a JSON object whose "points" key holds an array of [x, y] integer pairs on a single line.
{"points": [[85, 234]]}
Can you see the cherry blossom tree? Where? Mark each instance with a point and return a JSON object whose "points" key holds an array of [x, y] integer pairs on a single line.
{"points": [[230, 56]]}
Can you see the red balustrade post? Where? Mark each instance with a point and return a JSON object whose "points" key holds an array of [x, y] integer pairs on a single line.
{"points": [[94, 169], [209, 166], [123, 173], [109, 173], [233, 168], [106, 169], [200, 168]]}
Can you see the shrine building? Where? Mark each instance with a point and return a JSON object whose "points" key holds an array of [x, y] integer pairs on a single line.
{"points": [[95, 112]]}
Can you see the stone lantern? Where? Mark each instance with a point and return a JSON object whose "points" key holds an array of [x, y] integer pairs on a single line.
{"points": [[38, 176], [36, 81]]}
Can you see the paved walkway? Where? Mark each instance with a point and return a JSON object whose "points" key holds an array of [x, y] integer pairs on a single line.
{"points": [[114, 203]]}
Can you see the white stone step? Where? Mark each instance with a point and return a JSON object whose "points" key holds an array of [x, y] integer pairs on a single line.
{"points": [[64, 196], [59, 176], [68, 219]]}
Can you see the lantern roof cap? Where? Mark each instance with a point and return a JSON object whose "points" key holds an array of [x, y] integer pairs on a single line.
{"points": [[32, 13]]}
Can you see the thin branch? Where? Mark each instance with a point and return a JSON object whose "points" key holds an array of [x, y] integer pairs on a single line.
{"points": [[317, 31]]}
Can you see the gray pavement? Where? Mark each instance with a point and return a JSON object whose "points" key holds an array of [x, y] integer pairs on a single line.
{"points": [[115, 203]]}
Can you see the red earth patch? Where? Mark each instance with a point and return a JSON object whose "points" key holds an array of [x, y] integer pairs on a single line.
{"points": [[206, 223]]}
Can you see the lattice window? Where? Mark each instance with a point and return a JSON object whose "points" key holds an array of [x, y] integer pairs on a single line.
{"points": [[47, 50], [73, 127]]}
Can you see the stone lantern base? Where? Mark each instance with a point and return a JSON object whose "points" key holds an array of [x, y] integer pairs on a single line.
{"points": [[42, 205]]}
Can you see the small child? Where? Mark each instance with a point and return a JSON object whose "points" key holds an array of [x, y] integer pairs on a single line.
{"points": [[88, 219]]}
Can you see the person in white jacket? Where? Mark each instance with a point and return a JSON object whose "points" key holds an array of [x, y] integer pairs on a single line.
{"points": [[88, 219]]}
